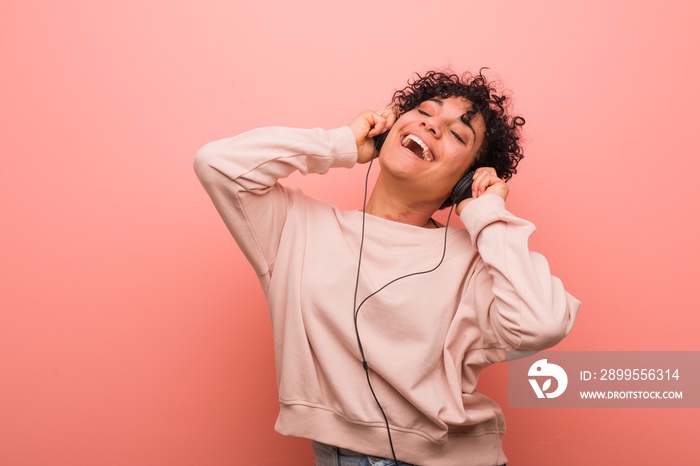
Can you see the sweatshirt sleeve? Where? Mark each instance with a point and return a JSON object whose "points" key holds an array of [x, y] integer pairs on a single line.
{"points": [[528, 308], [240, 175]]}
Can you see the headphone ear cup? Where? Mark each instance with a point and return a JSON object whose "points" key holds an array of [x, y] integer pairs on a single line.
{"points": [[379, 140], [461, 191]]}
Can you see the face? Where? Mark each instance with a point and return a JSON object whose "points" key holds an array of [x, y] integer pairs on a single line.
{"points": [[429, 148]]}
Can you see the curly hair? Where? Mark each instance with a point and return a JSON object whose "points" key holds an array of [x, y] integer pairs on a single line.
{"points": [[500, 149]]}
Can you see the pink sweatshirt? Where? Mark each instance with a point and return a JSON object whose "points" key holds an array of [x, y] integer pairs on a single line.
{"points": [[426, 338]]}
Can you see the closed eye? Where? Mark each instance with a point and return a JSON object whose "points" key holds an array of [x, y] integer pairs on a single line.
{"points": [[423, 112], [459, 138]]}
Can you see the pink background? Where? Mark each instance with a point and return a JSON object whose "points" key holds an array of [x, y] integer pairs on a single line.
{"points": [[133, 332]]}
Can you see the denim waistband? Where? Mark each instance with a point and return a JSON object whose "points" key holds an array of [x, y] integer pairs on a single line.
{"points": [[328, 455]]}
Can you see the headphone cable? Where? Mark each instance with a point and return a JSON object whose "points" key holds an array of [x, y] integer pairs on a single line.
{"points": [[356, 308]]}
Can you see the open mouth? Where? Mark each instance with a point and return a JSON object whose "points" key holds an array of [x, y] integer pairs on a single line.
{"points": [[418, 147]]}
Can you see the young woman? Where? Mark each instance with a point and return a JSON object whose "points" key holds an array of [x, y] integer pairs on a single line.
{"points": [[382, 317]]}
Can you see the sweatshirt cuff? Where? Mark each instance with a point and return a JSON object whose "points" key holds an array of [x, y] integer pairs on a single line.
{"points": [[344, 146], [481, 212]]}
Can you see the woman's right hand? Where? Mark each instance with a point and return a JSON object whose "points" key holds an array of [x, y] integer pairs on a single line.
{"points": [[366, 126]]}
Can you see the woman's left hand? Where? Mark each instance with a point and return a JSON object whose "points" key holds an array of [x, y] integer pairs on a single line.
{"points": [[485, 181]]}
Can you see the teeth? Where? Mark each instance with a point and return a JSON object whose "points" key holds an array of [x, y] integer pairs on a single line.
{"points": [[426, 155]]}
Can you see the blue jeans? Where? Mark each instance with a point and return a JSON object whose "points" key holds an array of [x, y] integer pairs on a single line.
{"points": [[327, 455]]}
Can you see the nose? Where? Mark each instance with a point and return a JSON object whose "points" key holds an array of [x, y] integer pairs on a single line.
{"points": [[432, 125]]}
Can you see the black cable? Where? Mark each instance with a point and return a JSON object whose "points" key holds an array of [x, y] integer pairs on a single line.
{"points": [[356, 308]]}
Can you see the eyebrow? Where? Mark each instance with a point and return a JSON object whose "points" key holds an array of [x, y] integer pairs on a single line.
{"points": [[466, 123]]}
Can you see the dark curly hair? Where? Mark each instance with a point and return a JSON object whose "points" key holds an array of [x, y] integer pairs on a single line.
{"points": [[500, 149]]}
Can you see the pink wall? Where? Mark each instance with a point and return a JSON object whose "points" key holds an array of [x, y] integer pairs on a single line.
{"points": [[132, 332]]}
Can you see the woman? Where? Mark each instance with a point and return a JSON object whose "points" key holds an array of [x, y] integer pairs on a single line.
{"points": [[383, 318]]}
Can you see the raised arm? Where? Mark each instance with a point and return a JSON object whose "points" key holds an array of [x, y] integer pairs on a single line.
{"points": [[526, 308], [240, 175]]}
